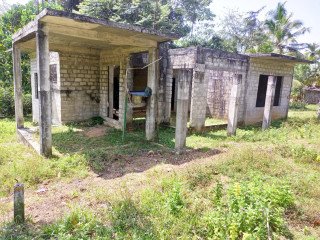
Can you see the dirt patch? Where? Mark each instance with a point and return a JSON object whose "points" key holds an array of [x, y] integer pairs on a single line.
{"points": [[95, 131], [51, 200]]}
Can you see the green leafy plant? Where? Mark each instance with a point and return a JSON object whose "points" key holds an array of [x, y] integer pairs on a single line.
{"points": [[249, 210]]}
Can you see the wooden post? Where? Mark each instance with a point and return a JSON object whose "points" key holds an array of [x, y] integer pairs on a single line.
{"points": [[234, 105], [111, 89], [16, 56], [153, 81], [267, 114], [45, 104], [184, 81], [18, 204]]}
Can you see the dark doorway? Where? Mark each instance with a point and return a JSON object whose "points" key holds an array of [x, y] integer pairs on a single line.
{"points": [[277, 93], [173, 93], [262, 91], [116, 86]]}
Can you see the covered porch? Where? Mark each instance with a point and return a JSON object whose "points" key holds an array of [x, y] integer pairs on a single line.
{"points": [[94, 63]]}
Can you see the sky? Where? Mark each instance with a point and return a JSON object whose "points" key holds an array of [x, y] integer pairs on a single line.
{"points": [[305, 10]]}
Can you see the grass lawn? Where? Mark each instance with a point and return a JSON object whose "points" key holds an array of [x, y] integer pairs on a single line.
{"points": [[262, 184]]}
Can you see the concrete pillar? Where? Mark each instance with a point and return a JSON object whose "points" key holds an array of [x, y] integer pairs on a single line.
{"points": [[45, 104], [129, 84], [272, 80], [184, 78], [234, 103], [18, 203], [111, 88], [168, 94], [153, 81], [16, 58], [198, 98]]}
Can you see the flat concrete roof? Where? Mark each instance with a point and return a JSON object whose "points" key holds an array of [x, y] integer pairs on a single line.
{"points": [[277, 56], [82, 31]]}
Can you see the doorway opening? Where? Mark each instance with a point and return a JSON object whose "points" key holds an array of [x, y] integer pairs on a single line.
{"points": [[116, 92]]}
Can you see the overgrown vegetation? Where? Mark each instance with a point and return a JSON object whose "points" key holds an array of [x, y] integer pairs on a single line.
{"points": [[266, 185]]}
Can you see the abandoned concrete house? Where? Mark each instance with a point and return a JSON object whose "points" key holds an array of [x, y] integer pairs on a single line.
{"points": [[311, 95], [83, 67]]}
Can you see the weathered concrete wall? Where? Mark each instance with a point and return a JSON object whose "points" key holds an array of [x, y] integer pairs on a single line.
{"points": [[35, 101], [221, 68], [312, 96], [79, 86], [55, 92], [259, 67]]}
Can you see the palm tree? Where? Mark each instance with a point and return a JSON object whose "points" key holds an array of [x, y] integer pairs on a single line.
{"points": [[313, 51], [283, 29]]}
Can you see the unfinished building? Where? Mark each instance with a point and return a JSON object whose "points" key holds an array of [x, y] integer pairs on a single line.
{"points": [[82, 67]]}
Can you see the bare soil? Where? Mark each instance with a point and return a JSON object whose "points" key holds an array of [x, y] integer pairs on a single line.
{"points": [[53, 199]]}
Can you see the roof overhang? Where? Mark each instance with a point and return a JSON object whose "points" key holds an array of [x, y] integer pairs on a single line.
{"points": [[74, 30], [279, 57]]}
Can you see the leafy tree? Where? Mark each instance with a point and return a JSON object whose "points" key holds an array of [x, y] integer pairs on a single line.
{"points": [[70, 5], [203, 35], [177, 16], [309, 74], [283, 29], [244, 32]]}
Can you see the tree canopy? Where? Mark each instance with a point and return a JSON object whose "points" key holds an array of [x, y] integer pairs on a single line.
{"points": [[168, 16]]}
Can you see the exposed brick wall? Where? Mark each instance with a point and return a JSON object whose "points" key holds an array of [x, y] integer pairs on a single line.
{"points": [[79, 86], [221, 69], [257, 67]]}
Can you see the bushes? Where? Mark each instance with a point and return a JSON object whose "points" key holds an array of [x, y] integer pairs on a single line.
{"points": [[298, 105], [248, 210], [7, 102]]}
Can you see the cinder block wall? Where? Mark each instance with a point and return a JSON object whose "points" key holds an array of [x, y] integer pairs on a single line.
{"points": [[220, 70], [257, 67], [312, 96], [55, 92], [79, 87]]}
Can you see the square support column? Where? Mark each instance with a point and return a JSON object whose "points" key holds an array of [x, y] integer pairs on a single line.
{"points": [[110, 89], [16, 57], [198, 98], [45, 104], [267, 114], [234, 103], [184, 81], [152, 102], [129, 84]]}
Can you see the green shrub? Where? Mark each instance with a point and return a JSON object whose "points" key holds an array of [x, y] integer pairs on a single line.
{"points": [[79, 224], [6, 101], [298, 105], [128, 222], [248, 210], [27, 103], [300, 153]]}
